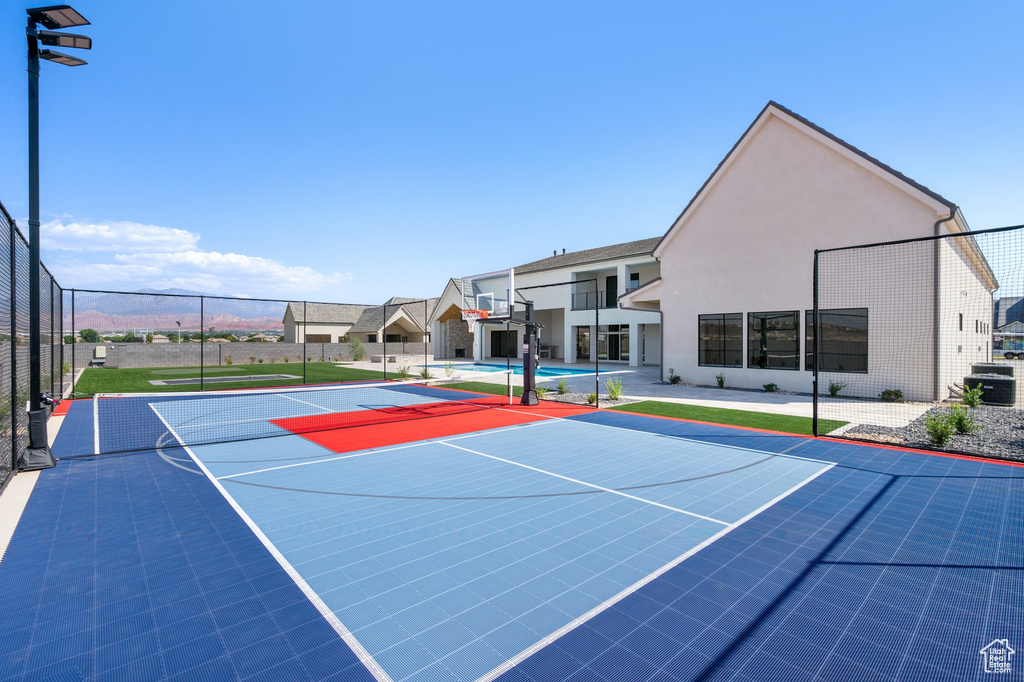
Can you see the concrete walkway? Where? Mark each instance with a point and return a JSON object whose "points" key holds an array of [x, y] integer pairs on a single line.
{"points": [[645, 383]]}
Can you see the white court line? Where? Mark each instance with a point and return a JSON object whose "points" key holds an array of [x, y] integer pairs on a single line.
{"points": [[589, 485], [95, 425], [364, 656], [371, 451], [526, 653], [319, 407], [698, 441]]}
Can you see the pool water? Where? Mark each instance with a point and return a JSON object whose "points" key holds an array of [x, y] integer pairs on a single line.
{"points": [[517, 369]]}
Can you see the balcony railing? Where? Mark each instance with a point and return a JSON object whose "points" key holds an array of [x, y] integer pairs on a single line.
{"points": [[589, 300]]}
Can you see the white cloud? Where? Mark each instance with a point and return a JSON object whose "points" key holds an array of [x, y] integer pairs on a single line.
{"points": [[119, 237], [131, 256]]}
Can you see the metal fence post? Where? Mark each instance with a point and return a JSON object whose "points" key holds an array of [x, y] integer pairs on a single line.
{"points": [[816, 325], [14, 354], [74, 343], [202, 341]]}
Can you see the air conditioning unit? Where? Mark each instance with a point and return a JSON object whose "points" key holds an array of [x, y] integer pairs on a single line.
{"points": [[992, 368], [996, 389]]}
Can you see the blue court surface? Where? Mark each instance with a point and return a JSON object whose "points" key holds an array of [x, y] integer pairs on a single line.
{"points": [[602, 546]]}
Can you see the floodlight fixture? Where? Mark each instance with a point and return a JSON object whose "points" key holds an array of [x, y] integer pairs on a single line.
{"points": [[57, 16], [61, 58], [59, 39]]}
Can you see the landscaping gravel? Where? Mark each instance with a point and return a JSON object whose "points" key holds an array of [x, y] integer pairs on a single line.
{"points": [[581, 399], [1001, 435]]}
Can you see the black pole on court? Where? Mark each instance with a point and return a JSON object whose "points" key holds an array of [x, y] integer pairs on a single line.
{"points": [[37, 455], [529, 365], [816, 326]]}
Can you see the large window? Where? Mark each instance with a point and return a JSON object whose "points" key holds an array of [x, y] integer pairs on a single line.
{"points": [[773, 341], [720, 341], [844, 340]]}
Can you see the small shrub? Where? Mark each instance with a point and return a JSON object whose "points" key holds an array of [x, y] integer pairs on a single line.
{"points": [[614, 387], [252, 359], [286, 359], [592, 398], [404, 373], [674, 379], [962, 419], [309, 358], [563, 387], [720, 379], [260, 361], [834, 387], [541, 392], [891, 395], [425, 373], [939, 427], [357, 350], [449, 370], [228, 361], [65, 368], [971, 397], [771, 388]]}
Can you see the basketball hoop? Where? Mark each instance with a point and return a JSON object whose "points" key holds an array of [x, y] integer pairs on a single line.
{"points": [[474, 315]]}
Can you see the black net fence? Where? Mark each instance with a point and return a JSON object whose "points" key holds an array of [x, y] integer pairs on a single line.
{"points": [[15, 382], [920, 343], [144, 342]]}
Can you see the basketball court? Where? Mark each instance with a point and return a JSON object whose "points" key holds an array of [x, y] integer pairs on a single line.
{"points": [[402, 531]]}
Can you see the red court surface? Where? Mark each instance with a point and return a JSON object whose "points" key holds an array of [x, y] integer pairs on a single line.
{"points": [[351, 431]]}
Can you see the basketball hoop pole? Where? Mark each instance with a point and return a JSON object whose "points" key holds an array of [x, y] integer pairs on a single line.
{"points": [[529, 366]]}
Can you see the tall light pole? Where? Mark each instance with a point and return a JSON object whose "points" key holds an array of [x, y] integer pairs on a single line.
{"points": [[37, 455]]}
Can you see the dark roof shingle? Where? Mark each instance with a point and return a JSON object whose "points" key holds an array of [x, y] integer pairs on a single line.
{"points": [[641, 247]]}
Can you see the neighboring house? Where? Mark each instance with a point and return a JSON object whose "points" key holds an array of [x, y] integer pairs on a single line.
{"points": [[568, 312], [320, 322], [451, 337], [581, 322], [406, 322], [1008, 309], [160, 338], [737, 266]]}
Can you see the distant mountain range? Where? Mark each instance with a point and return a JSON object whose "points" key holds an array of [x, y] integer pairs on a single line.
{"points": [[162, 309]]}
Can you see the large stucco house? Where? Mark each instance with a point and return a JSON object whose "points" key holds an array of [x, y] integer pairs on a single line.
{"points": [[320, 322], [398, 321], [582, 321], [737, 270]]}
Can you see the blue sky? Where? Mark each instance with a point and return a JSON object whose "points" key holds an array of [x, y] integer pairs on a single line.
{"points": [[366, 150]]}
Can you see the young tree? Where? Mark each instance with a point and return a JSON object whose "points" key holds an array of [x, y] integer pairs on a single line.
{"points": [[90, 335]]}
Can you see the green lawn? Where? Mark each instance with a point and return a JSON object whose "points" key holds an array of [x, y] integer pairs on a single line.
{"points": [[757, 420], [110, 380], [484, 387]]}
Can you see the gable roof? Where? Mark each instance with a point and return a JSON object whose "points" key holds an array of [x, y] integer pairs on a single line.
{"points": [[775, 108], [331, 313], [372, 319], [641, 247]]}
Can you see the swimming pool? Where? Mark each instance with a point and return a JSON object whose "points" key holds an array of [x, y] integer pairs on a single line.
{"points": [[517, 369]]}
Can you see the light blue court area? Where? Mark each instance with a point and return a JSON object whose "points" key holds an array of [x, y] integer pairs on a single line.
{"points": [[457, 558], [221, 418]]}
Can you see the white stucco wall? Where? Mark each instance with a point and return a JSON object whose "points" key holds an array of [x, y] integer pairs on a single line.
{"points": [[747, 245]]}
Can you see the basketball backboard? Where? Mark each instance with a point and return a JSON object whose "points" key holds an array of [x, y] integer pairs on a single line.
{"points": [[488, 296]]}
